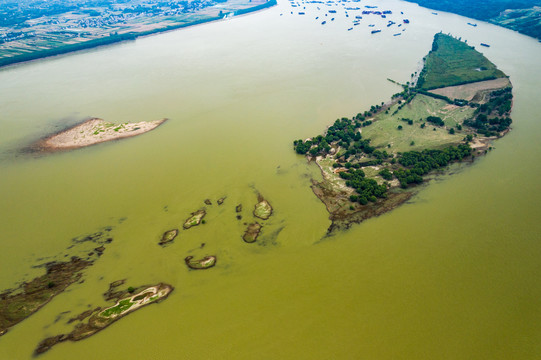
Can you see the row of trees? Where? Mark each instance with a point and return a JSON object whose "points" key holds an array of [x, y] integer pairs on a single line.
{"points": [[416, 164]]}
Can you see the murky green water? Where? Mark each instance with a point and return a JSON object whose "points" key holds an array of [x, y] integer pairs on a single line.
{"points": [[452, 275]]}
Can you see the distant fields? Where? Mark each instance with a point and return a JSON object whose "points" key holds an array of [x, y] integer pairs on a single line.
{"points": [[453, 62], [63, 33]]}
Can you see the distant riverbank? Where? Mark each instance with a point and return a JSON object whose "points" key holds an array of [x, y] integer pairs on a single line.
{"points": [[116, 38], [523, 16]]}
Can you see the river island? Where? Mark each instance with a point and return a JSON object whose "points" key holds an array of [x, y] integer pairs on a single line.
{"points": [[93, 131], [450, 112], [127, 301]]}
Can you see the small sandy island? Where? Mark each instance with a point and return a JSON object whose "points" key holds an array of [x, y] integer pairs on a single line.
{"points": [[94, 131]]}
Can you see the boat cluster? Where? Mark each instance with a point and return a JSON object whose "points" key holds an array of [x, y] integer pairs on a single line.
{"points": [[328, 11]]}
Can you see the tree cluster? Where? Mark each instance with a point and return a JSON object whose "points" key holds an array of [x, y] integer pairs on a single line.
{"points": [[491, 118], [489, 127], [367, 189], [344, 132], [500, 102], [416, 164], [436, 120]]}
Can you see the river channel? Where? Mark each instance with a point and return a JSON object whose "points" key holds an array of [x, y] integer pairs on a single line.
{"points": [[453, 274]]}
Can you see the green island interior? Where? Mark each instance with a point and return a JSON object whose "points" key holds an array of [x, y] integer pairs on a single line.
{"points": [[376, 156]]}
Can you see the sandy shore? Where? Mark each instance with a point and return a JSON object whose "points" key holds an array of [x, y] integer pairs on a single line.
{"points": [[94, 131]]}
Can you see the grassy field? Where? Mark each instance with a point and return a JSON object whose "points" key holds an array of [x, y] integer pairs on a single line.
{"points": [[384, 130], [453, 62]]}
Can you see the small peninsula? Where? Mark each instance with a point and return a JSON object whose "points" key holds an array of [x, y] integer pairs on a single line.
{"points": [[93, 131], [449, 112]]}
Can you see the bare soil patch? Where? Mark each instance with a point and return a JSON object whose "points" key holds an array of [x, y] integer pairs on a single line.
{"points": [[468, 91]]}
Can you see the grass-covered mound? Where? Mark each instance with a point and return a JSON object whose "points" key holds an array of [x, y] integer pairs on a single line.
{"points": [[453, 62]]}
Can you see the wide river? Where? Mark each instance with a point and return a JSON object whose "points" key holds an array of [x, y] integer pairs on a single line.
{"points": [[453, 274]]}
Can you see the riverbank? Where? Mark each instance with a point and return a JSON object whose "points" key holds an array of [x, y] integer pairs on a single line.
{"points": [[522, 16], [114, 38]]}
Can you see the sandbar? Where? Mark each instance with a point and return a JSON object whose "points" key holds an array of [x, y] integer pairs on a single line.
{"points": [[94, 131]]}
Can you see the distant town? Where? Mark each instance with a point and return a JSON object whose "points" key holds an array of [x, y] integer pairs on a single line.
{"points": [[32, 29]]}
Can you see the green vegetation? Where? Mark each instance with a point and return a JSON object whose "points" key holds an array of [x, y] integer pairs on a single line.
{"points": [[119, 308], [168, 237], [109, 18], [386, 174], [519, 15], [93, 321], [364, 162], [526, 21], [492, 118], [64, 49], [200, 264], [195, 219], [436, 120], [416, 164], [384, 131], [368, 189], [453, 62], [263, 209]]}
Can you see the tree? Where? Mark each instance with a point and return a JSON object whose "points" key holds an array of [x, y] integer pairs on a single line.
{"points": [[386, 174], [436, 120]]}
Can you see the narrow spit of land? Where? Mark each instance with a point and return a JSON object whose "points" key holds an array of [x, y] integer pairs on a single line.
{"points": [[373, 162]]}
